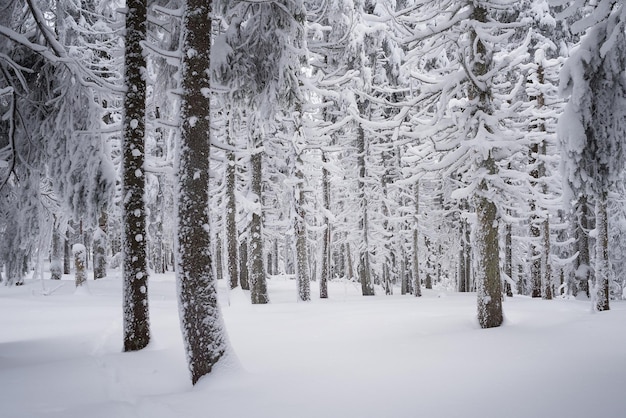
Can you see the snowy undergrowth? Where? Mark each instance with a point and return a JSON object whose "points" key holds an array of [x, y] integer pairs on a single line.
{"points": [[347, 357]]}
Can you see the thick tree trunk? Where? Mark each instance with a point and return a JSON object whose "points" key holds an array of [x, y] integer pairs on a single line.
{"points": [[201, 322], [136, 322], [486, 248], [487, 255]]}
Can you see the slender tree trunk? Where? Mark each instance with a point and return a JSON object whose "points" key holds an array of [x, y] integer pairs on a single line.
{"points": [[326, 245], [56, 262], [231, 219], [535, 231], [404, 279], [417, 287], [508, 258], [583, 271], [428, 280], [349, 262], [302, 270], [299, 215], [219, 265], [602, 275], [462, 280], [365, 272], [201, 323], [67, 253], [258, 284], [100, 248], [243, 264], [136, 320]]}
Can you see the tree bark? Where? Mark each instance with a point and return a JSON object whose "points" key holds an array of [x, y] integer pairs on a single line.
{"points": [[100, 248], [201, 322], [417, 287], [258, 283], [56, 262], [487, 249], [602, 254], [243, 264], [487, 254], [231, 219], [136, 318], [326, 244], [365, 272]]}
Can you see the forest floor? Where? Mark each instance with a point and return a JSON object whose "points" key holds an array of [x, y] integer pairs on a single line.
{"points": [[345, 357]]}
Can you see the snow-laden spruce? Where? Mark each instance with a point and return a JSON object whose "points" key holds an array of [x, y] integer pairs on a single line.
{"points": [[593, 125]]}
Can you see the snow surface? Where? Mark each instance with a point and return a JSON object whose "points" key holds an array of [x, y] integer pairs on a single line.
{"points": [[347, 357]]}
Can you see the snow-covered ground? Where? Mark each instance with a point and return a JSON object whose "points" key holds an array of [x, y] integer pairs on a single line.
{"points": [[345, 357]]}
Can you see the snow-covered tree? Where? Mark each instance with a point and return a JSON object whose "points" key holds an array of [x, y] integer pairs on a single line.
{"points": [[201, 324], [591, 129], [136, 314]]}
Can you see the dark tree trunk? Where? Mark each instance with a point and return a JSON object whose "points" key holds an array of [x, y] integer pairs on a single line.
{"points": [[243, 264], [56, 256], [602, 254], [508, 258], [417, 286], [136, 320], [100, 248], [258, 283], [201, 323], [231, 220], [326, 247], [67, 253]]}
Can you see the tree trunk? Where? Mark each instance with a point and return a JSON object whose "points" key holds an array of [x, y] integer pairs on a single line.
{"points": [[201, 322], [508, 258], [231, 219], [243, 264], [100, 248], [584, 274], [302, 271], [136, 320], [326, 244], [487, 255], [56, 262], [486, 248], [603, 273], [365, 273], [80, 254], [417, 287], [258, 283], [67, 254], [349, 262]]}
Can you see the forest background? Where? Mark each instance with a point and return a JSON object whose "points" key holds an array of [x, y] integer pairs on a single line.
{"points": [[474, 145]]}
